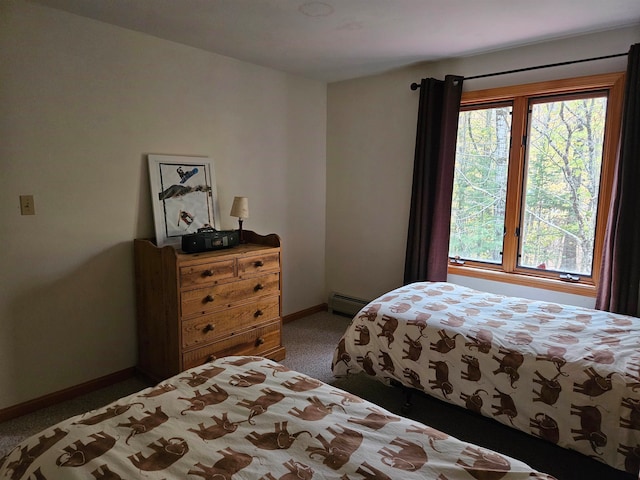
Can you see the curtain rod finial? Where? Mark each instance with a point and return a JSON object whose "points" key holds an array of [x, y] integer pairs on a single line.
{"points": [[415, 86]]}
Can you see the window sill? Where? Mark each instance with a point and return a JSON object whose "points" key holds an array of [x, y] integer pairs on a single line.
{"points": [[526, 280]]}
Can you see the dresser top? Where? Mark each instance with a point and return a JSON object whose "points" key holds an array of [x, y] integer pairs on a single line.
{"points": [[238, 250], [255, 244]]}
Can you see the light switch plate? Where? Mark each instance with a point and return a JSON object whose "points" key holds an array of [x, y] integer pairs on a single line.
{"points": [[27, 206]]}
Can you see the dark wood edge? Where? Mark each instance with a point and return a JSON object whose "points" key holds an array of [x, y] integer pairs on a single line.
{"points": [[271, 239], [66, 394], [323, 307], [151, 241], [98, 383]]}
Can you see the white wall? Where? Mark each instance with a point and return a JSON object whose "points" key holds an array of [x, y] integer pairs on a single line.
{"points": [[82, 103], [370, 147]]}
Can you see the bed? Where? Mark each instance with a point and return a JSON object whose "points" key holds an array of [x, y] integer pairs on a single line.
{"points": [[565, 374], [250, 418]]}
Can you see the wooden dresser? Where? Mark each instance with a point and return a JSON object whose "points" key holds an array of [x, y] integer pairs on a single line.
{"points": [[195, 307]]}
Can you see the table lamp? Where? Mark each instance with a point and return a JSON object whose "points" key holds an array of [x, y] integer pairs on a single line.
{"points": [[240, 209]]}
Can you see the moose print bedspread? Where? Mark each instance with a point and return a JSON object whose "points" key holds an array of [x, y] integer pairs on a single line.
{"points": [[565, 374], [250, 418]]}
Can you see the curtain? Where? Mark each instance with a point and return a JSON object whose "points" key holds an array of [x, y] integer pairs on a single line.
{"points": [[620, 273], [430, 215]]}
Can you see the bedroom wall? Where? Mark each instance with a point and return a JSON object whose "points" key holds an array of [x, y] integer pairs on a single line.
{"points": [[370, 146], [82, 104]]}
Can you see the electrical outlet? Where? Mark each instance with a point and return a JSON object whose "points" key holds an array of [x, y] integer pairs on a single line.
{"points": [[27, 207]]}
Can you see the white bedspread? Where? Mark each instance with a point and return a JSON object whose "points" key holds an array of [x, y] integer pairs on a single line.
{"points": [[250, 418], [566, 374]]}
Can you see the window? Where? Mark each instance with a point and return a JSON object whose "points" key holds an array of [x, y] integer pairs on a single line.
{"points": [[533, 175]]}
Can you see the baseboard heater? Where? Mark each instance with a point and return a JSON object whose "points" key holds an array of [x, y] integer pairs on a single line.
{"points": [[344, 304]]}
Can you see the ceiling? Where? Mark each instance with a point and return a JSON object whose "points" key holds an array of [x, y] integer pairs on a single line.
{"points": [[332, 40]]}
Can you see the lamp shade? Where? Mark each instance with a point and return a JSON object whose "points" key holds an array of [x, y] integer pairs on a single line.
{"points": [[240, 207]]}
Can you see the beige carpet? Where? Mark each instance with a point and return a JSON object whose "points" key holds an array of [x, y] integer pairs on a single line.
{"points": [[310, 342]]}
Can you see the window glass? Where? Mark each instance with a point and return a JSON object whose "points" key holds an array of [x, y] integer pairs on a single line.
{"points": [[479, 191], [562, 180], [534, 172]]}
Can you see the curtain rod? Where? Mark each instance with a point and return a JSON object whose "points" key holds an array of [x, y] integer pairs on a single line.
{"points": [[415, 86]]}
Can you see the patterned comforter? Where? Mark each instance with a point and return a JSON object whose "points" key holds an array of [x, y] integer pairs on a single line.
{"points": [[565, 374], [250, 418]]}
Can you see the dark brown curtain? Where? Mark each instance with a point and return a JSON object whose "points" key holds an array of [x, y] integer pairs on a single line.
{"points": [[430, 216], [620, 274]]}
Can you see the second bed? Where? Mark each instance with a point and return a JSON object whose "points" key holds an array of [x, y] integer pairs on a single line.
{"points": [[565, 374]]}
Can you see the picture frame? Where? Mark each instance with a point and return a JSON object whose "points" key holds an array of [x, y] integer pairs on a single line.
{"points": [[184, 196]]}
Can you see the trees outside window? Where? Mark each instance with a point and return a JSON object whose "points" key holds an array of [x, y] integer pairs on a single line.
{"points": [[533, 175], [480, 183]]}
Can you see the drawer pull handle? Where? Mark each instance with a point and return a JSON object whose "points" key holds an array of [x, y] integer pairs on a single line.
{"points": [[258, 263], [208, 328], [258, 313], [208, 298], [259, 341], [258, 287], [208, 273]]}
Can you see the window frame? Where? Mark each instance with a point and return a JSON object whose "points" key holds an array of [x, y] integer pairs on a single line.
{"points": [[519, 96]]}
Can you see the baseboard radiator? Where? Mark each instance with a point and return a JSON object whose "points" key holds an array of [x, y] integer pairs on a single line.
{"points": [[344, 304]]}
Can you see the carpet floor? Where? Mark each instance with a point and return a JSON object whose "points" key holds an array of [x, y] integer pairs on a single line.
{"points": [[310, 342]]}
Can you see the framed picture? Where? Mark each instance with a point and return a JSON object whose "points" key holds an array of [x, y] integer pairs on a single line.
{"points": [[184, 196]]}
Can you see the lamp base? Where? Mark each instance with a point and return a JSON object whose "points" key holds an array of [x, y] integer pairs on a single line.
{"points": [[240, 233]]}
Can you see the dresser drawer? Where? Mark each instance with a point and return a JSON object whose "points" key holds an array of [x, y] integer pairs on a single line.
{"points": [[210, 299], [206, 273], [253, 342], [194, 306], [207, 328], [258, 263]]}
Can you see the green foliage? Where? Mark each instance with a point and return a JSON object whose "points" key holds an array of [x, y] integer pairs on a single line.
{"points": [[561, 183], [480, 184]]}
